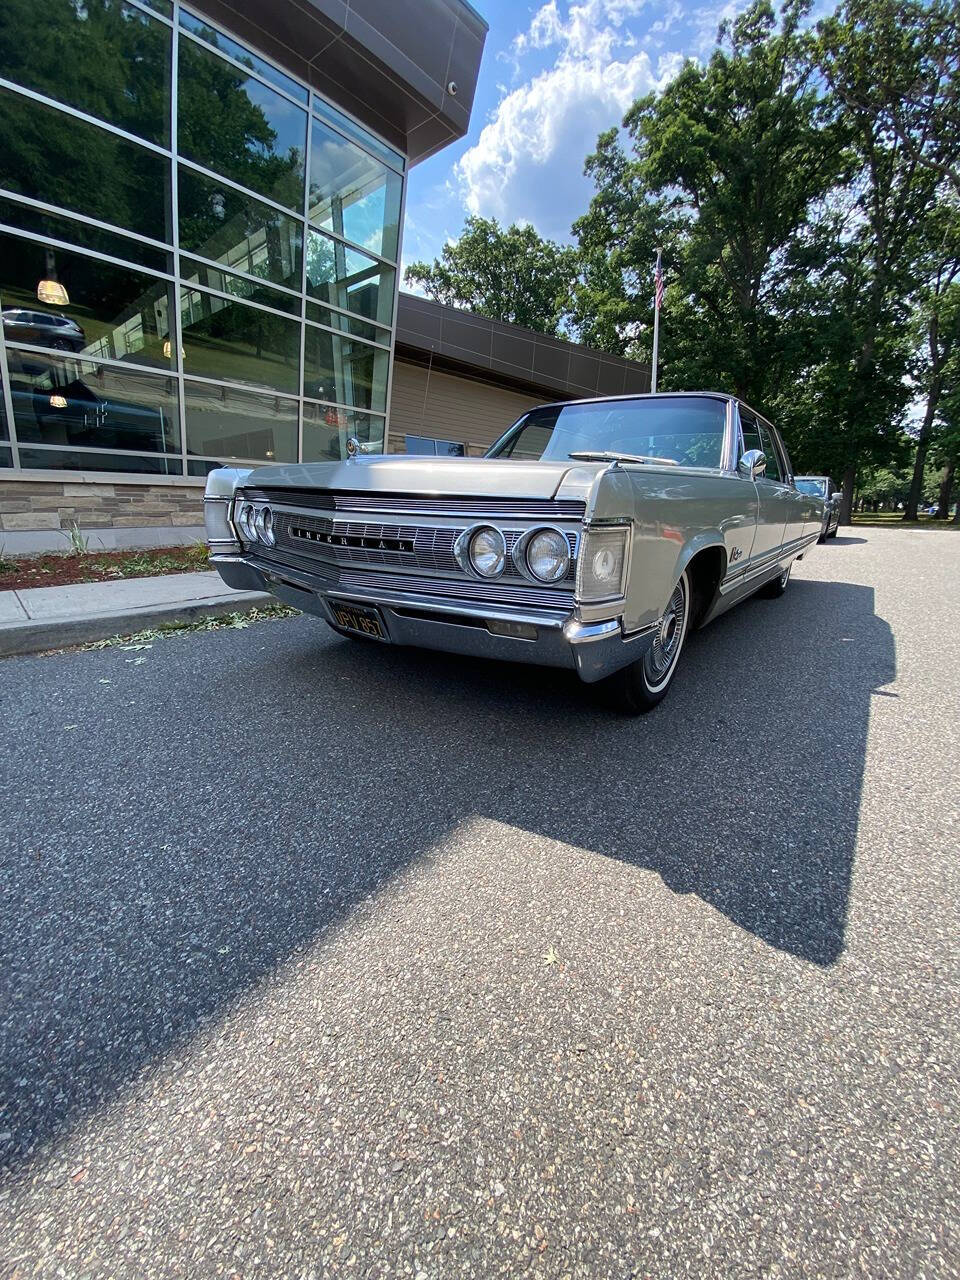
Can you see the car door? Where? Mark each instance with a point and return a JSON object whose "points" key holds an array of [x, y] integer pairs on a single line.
{"points": [[799, 506], [773, 494]]}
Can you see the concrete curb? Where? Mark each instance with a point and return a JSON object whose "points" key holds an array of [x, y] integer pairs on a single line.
{"points": [[59, 633]]}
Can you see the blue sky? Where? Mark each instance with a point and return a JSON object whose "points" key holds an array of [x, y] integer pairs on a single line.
{"points": [[554, 75]]}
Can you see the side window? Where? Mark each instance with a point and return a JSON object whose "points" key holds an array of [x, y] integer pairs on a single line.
{"points": [[751, 433], [769, 446], [784, 457]]}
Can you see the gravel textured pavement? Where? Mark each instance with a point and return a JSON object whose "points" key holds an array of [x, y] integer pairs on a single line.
{"points": [[322, 958]]}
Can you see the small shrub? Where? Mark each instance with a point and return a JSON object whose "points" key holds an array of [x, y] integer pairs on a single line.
{"points": [[79, 545]]}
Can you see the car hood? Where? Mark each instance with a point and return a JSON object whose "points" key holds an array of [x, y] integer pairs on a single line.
{"points": [[436, 477]]}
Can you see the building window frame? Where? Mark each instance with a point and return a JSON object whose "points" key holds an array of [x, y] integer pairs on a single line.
{"points": [[328, 114]]}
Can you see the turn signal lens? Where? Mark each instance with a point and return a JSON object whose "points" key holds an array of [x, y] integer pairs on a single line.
{"points": [[602, 563]]}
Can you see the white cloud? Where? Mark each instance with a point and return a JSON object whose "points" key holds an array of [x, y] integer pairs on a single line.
{"points": [[528, 160]]}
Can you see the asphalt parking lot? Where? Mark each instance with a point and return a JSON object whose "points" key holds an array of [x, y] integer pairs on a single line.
{"points": [[320, 958]]}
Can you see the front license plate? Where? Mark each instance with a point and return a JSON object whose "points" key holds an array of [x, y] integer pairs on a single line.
{"points": [[358, 618]]}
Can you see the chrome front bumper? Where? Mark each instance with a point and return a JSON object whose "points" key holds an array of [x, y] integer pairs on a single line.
{"points": [[592, 649]]}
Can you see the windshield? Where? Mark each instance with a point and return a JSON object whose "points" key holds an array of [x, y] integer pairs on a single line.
{"points": [[687, 430], [817, 488]]}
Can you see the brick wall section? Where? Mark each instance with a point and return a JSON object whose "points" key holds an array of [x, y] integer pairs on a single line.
{"points": [[25, 505]]}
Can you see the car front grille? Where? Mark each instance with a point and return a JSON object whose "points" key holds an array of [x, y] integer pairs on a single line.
{"points": [[413, 552]]}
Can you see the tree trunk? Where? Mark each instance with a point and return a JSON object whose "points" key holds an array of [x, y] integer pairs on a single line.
{"points": [[846, 502], [923, 440], [920, 461], [946, 489]]}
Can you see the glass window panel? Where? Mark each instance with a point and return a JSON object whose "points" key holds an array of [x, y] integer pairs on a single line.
{"points": [[347, 324], [108, 59], [352, 194], [238, 126], [55, 227], [349, 279], [6, 457], [59, 160], [236, 50], [326, 430], [112, 312], [358, 133], [223, 422], [161, 6], [64, 460], [233, 342], [238, 286], [60, 400], [239, 231], [4, 429], [344, 370]]}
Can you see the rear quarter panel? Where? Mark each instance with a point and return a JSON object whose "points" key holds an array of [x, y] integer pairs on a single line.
{"points": [[676, 513]]}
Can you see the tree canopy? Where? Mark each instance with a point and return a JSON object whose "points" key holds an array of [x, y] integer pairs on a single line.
{"points": [[512, 275], [802, 186]]}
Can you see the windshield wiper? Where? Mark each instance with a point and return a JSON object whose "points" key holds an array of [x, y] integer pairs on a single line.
{"points": [[608, 455]]}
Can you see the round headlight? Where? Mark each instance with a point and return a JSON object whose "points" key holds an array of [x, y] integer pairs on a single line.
{"points": [[263, 523], [245, 520], [548, 555], [487, 552]]}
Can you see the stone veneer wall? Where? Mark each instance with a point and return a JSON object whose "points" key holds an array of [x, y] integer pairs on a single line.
{"points": [[42, 505]]}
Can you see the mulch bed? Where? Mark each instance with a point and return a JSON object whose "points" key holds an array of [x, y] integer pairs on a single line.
{"points": [[56, 569]]}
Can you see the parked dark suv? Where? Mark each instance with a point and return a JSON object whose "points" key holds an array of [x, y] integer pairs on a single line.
{"points": [[43, 328], [823, 487]]}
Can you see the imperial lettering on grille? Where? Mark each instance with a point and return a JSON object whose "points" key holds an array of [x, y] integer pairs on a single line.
{"points": [[352, 540]]}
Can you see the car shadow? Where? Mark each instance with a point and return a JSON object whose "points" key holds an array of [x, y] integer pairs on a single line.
{"points": [[307, 770], [841, 540]]}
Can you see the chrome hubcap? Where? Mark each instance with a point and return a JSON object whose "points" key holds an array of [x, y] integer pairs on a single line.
{"points": [[666, 644]]}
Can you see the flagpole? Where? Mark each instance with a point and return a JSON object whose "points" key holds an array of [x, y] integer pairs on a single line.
{"points": [[656, 328]]}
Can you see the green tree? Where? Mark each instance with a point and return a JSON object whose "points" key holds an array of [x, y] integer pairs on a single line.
{"points": [[913, 83], [726, 165], [513, 275], [874, 271]]}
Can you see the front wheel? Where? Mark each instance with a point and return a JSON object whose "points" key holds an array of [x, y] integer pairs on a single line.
{"points": [[639, 687]]}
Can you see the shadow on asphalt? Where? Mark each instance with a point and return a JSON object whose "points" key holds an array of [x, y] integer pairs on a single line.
{"points": [[840, 540], [262, 783]]}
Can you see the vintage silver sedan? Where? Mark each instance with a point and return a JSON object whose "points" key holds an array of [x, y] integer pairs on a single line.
{"points": [[594, 535]]}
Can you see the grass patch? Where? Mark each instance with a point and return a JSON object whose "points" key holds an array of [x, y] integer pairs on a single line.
{"points": [[60, 569], [211, 622], [895, 520]]}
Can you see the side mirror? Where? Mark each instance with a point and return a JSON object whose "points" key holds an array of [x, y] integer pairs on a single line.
{"points": [[752, 464]]}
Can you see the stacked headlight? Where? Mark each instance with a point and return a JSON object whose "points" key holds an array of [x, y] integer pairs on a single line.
{"points": [[602, 563], [263, 523], [255, 522], [481, 550], [246, 515], [543, 554]]}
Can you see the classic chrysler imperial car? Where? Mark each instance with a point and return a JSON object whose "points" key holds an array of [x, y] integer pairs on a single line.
{"points": [[593, 535]]}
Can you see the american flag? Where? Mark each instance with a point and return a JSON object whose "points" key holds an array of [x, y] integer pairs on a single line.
{"points": [[658, 281]]}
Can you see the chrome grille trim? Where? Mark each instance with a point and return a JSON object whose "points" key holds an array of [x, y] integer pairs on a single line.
{"points": [[432, 544], [466, 589], [413, 504], [358, 578]]}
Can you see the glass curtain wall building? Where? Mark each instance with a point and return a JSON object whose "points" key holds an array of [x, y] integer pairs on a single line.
{"points": [[198, 252]]}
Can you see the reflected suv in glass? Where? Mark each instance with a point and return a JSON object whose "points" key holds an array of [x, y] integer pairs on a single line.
{"points": [[44, 328]]}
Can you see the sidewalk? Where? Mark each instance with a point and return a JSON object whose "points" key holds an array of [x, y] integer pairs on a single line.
{"points": [[53, 617]]}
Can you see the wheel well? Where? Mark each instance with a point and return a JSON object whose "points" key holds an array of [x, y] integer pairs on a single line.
{"points": [[705, 572]]}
